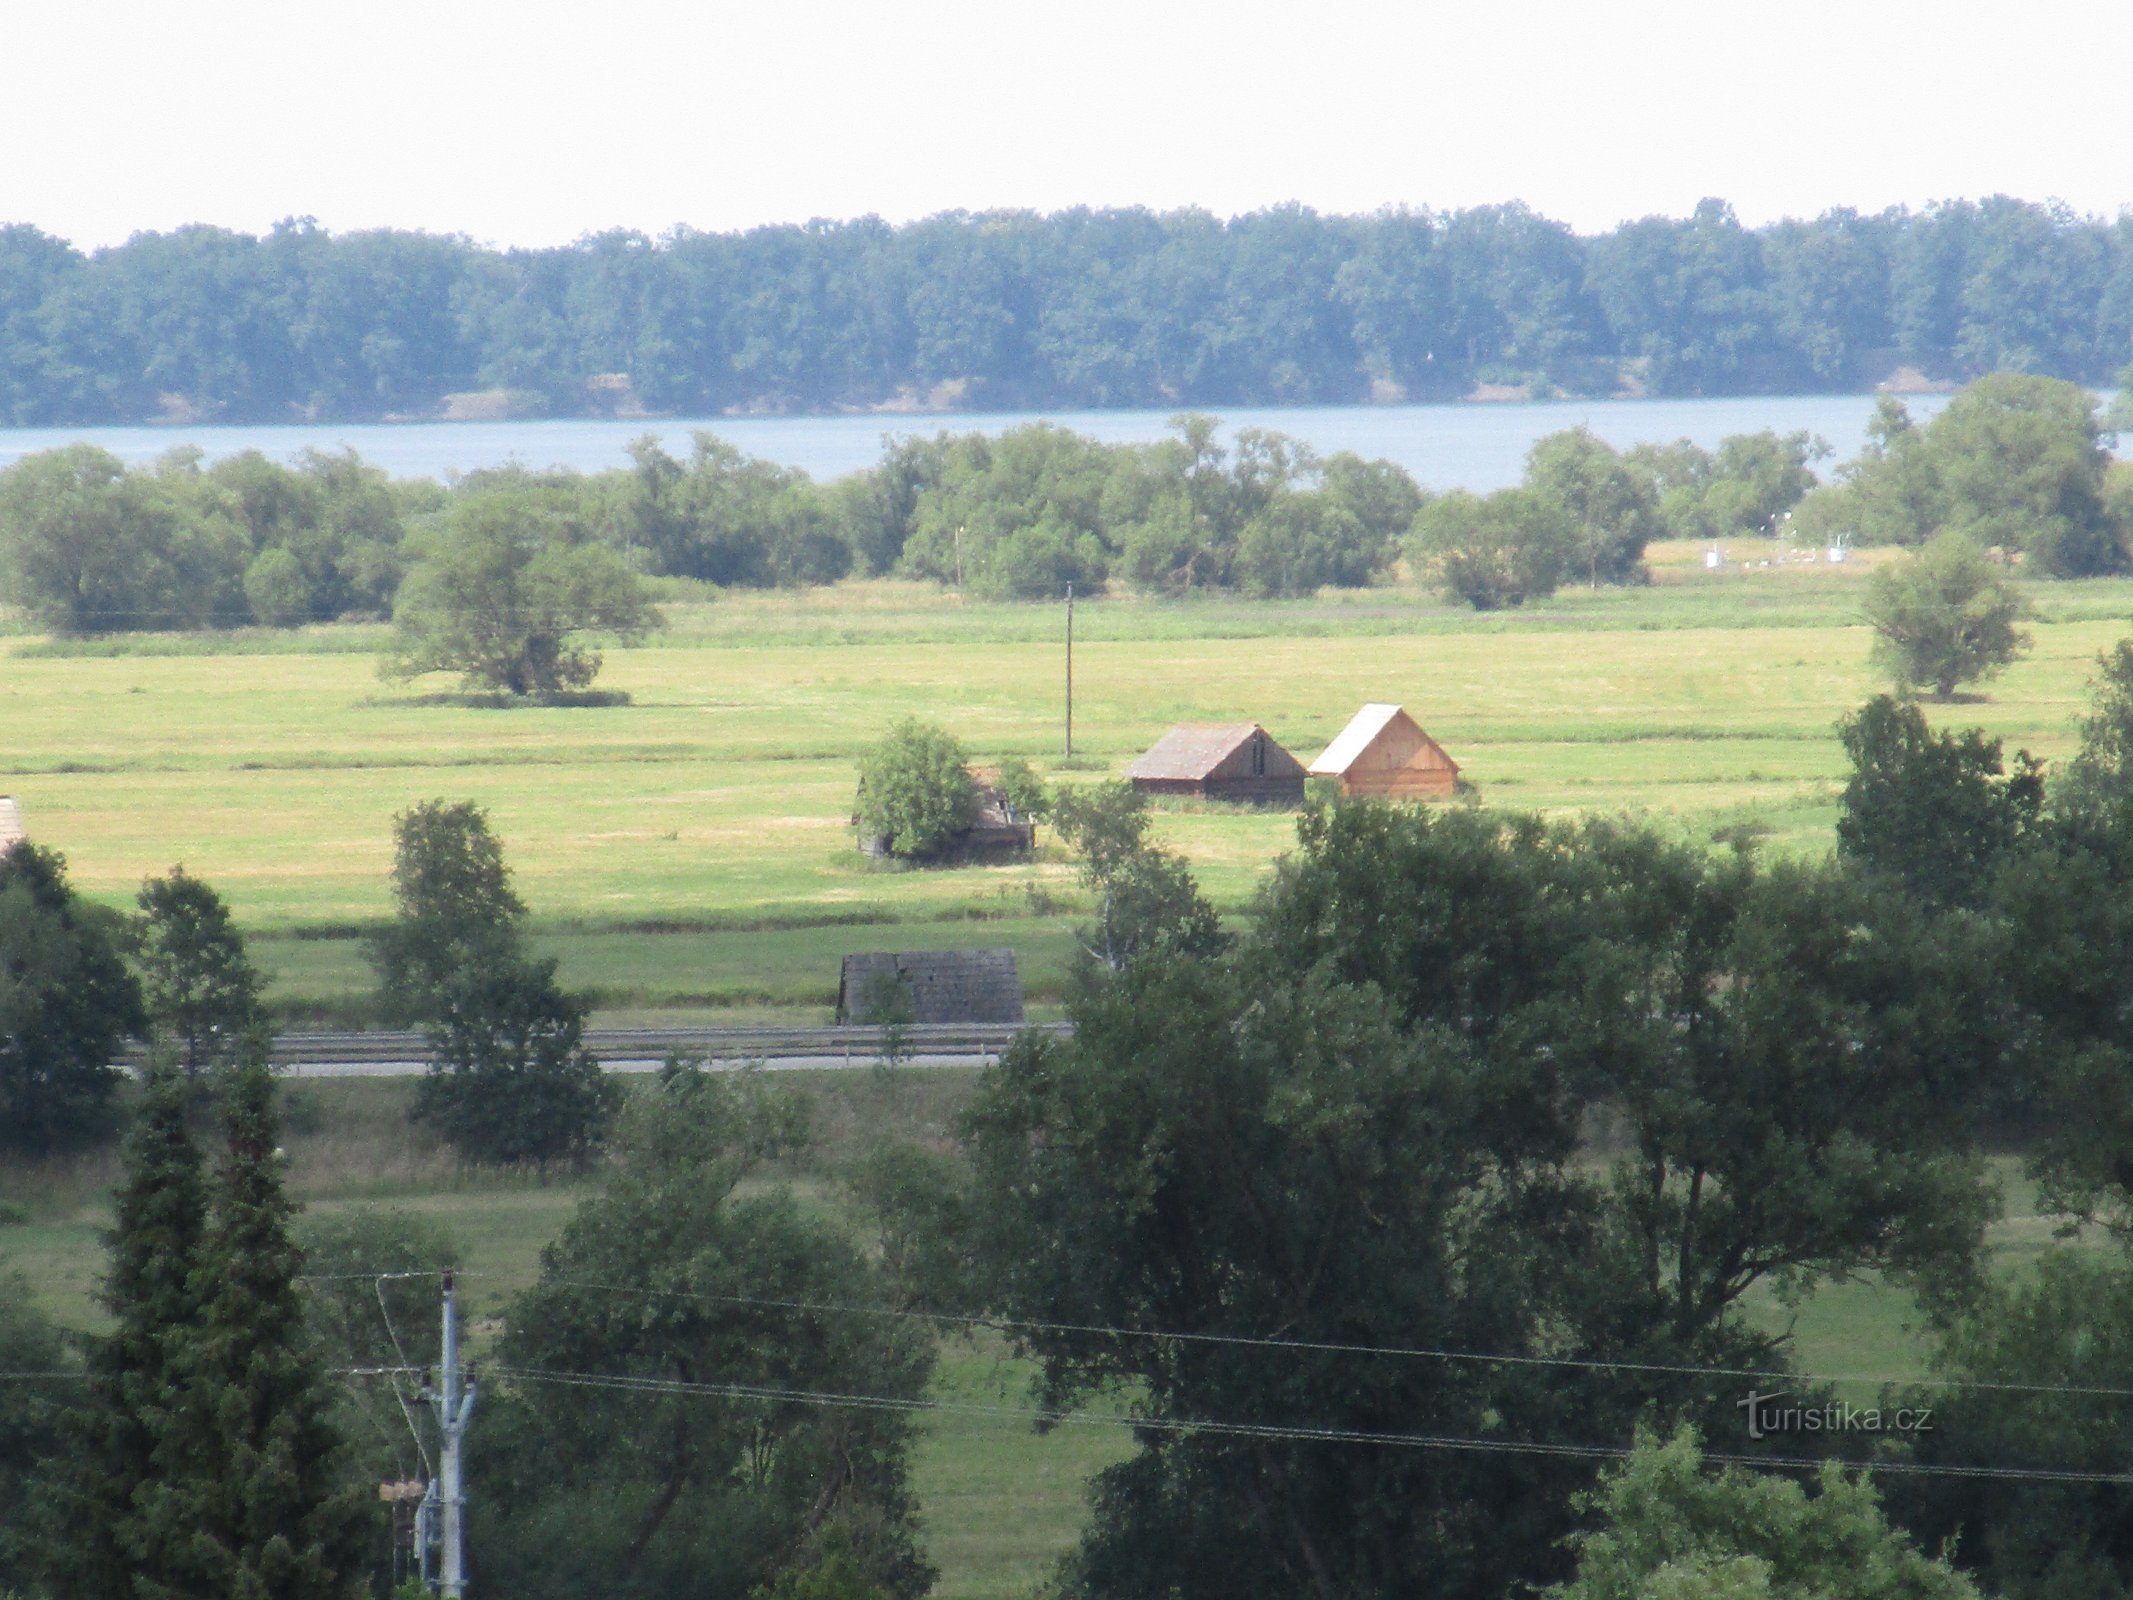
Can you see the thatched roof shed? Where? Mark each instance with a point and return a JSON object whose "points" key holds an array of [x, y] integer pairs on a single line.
{"points": [[1383, 751], [1220, 761], [942, 985], [10, 822]]}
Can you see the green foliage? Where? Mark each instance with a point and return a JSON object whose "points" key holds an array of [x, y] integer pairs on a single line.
{"points": [[1943, 616], [730, 519], [456, 908], [1146, 901], [1609, 502], [2062, 1337], [200, 988], [28, 1435], [1670, 1530], [915, 790], [1743, 488], [1936, 812], [2014, 462], [2099, 779], [66, 1002], [126, 1438], [1081, 308], [503, 594], [510, 1078], [1023, 790], [90, 546], [259, 1509], [705, 1492], [1495, 551]]}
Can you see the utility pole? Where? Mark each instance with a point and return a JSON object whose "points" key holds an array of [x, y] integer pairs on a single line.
{"points": [[1070, 674], [446, 1502]]}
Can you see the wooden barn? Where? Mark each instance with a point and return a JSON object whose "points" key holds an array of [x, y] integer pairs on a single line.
{"points": [[10, 822], [1384, 752], [1220, 761], [943, 985]]}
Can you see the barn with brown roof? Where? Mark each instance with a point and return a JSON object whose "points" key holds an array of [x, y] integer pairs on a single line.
{"points": [[1220, 761], [939, 986], [1384, 752]]}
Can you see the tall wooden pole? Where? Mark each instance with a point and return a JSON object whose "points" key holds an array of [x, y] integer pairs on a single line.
{"points": [[1070, 674]]}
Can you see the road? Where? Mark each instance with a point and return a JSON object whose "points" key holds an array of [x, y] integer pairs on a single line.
{"points": [[396, 1055]]}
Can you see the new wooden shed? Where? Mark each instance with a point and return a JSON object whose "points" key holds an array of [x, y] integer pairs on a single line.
{"points": [[1220, 761], [941, 985], [1384, 752], [10, 822]]}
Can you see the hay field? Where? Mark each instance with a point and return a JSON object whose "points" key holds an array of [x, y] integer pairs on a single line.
{"points": [[691, 848]]}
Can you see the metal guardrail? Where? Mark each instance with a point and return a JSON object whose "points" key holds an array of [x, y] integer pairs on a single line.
{"points": [[718, 1044]]}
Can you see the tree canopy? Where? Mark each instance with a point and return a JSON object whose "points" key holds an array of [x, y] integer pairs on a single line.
{"points": [[1078, 308]]}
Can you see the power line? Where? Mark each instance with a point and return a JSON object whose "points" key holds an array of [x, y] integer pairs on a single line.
{"points": [[1335, 1347], [1294, 1432]]}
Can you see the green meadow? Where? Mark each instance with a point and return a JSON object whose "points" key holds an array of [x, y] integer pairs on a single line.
{"points": [[690, 849]]}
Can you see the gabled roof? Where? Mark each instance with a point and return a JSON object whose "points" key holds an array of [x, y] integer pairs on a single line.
{"points": [[1195, 749], [1362, 731], [10, 822]]}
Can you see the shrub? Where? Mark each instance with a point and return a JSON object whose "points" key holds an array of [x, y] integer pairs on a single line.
{"points": [[915, 790]]}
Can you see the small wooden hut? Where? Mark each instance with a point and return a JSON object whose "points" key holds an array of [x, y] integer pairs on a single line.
{"points": [[940, 986], [10, 822], [1220, 761], [996, 830], [1384, 752]]}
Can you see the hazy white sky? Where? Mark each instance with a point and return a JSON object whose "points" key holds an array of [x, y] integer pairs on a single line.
{"points": [[532, 122]]}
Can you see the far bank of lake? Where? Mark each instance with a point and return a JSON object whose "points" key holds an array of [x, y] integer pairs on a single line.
{"points": [[1457, 446]]}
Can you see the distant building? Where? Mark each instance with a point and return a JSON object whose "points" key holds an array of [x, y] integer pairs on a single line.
{"points": [[995, 829], [10, 822], [1384, 752], [1220, 761], [941, 986]]}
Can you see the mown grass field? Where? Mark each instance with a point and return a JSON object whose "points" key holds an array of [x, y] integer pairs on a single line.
{"points": [[690, 849]]}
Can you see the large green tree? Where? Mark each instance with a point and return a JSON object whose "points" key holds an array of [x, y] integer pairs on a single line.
{"points": [[671, 1411], [1936, 812], [1495, 551], [506, 593], [66, 1003], [1944, 616], [510, 1078], [124, 1443], [1609, 502], [915, 790], [249, 1495], [200, 987]]}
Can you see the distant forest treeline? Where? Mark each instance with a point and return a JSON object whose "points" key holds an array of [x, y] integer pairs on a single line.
{"points": [[1081, 308]]}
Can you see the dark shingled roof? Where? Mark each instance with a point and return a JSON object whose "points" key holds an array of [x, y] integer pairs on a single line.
{"points": [[1193, 750], [944, 985]]}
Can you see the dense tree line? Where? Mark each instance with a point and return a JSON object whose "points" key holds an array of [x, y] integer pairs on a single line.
{"points": [[1078, 308]]}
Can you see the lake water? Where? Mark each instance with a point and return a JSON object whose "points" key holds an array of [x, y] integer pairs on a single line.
{"points": [[1478, 447]]}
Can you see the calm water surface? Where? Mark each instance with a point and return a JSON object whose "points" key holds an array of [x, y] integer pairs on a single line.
{"points": [[1478, 447]]}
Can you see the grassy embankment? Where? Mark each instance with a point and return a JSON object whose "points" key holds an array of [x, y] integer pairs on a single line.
{"points": [[689, 850]]}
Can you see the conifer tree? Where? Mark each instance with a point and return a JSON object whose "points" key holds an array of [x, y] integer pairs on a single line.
{"points": [[275, 1521], [94, 1541]]}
